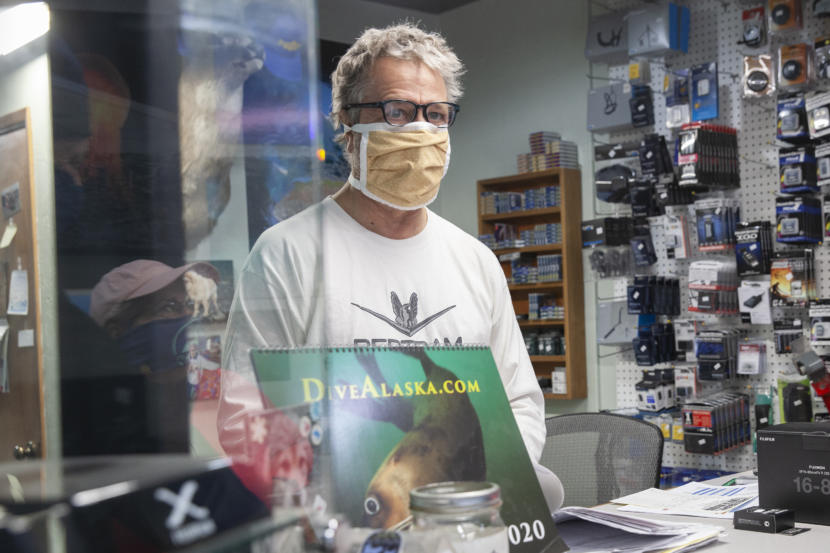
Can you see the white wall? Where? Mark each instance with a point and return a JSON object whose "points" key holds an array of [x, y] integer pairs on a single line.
{"points": [[25, 84], [526, 71]]}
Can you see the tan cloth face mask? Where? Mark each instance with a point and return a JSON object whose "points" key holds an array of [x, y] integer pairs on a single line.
{"points": [[401, 167]]}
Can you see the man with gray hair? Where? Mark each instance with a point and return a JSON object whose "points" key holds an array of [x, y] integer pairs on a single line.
{"points": [[326, 275]]}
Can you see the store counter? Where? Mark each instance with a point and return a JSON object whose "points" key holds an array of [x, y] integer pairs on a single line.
{"points": [[732, 540]]}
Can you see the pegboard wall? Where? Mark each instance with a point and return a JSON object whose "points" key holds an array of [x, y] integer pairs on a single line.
{"points": [[716, 28]]}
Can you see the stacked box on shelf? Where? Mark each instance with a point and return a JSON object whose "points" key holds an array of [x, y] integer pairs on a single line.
{"points": [[542, 234], [548, 151], [549, 268], [544, 307]]}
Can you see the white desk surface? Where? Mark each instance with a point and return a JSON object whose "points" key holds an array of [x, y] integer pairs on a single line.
{"points": [[816, 540]]}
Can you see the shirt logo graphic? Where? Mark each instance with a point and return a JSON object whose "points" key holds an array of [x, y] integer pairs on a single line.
{"points": [[406, 315]]}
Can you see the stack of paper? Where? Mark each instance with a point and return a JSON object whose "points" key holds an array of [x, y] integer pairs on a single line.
{"points": [[693, 499], [592, 530]]}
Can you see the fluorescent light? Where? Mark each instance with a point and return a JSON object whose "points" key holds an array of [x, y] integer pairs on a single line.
{"points": [[21, 24]]}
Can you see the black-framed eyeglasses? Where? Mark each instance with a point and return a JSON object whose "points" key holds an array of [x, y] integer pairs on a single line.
{"points": [[401, 112]]}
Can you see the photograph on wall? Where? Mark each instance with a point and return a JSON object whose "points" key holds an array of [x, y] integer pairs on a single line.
{"points": [[10, 199], [391, 419]]}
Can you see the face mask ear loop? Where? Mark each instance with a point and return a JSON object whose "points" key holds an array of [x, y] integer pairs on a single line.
{"points": [[447, 159], [364, 164]]}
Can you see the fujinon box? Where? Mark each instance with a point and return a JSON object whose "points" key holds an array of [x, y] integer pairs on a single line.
{"points": [[794, 469]]}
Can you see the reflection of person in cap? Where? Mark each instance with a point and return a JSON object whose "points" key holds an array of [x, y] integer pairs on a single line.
{"points": [[144, 306]]}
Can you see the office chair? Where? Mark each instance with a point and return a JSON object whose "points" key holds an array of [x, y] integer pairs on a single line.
{"points": [[600, 456]]}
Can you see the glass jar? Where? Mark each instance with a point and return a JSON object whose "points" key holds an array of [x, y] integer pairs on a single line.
{"points": [[458, 516]]}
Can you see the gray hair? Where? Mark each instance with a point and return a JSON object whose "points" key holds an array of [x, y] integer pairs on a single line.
{"points": [[404, 41]]}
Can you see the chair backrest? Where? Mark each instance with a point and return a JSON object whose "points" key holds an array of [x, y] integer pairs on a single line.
{"points": [[601, 456]]}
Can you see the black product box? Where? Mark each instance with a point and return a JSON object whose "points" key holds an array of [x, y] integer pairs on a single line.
{"points": [[151, 503], [794, 469], [761, 519]]}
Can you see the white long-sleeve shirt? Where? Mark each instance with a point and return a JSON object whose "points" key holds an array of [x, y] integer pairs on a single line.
{"points": [[320, 278]]}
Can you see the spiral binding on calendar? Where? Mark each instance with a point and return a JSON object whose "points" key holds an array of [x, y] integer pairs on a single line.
{"points": [[371, 349]]}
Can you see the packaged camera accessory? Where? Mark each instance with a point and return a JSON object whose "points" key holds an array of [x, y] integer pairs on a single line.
{"points": [[642, 246], [785, 331], [639, 73], [821, 59], [655, 159], [752, 357], [642, 106], [644, 200], [784, 15], [658, 29], [827, 216], [713, 287], [821, 8], [654, 344], [792, 119], [794, 67], [753, 300], [716, 221], [685, 383], [676, 93], [705, 91], [614, 324], [607, 39], [676, 237], [685, 331], [611, 262], [798, 219], [655, 392], [754, 27], [792, 278], [708, 156], [817, 105], [820, 321], [797, 169], [753, 248], [617, 167], [608, 107], [822, 164], [717, 354], [759, 77]]}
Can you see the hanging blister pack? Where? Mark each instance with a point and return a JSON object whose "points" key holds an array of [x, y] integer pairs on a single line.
{"points": [[792, 119], [754, 27], [676, 237], [792, 278], [798, 219], [822, 164], [642, 246], [685, 331], [705, 91], [753, 248], [795, 70], [797, 169], [754, 303], [758, 76], [713, 287], [821, 48], [820, 321], [752, 357], [817, 105], [716, 219], [676, 93]]}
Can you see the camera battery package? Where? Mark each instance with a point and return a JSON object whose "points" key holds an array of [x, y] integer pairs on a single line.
{"points": [[685, 383], [821, 58], [794, 67], [607, 39], [826, 217], [758, 76], [794, 469], [754, 26], [784, 15], [822, 152], [642, 246], [641, 106], [676, 237], [676, 93], [764, 519], [792, 278], [792, 119], [716, 222], [820, 322], [753, 248], [658, 29], [817, 105], [797, 169], [608, 107], [752, 357], [754, 303], [655, 160], [798, 219], [705, 91], [685, 331]]}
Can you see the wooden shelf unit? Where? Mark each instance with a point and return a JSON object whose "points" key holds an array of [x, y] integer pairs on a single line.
{"points": [[569, 291]]}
